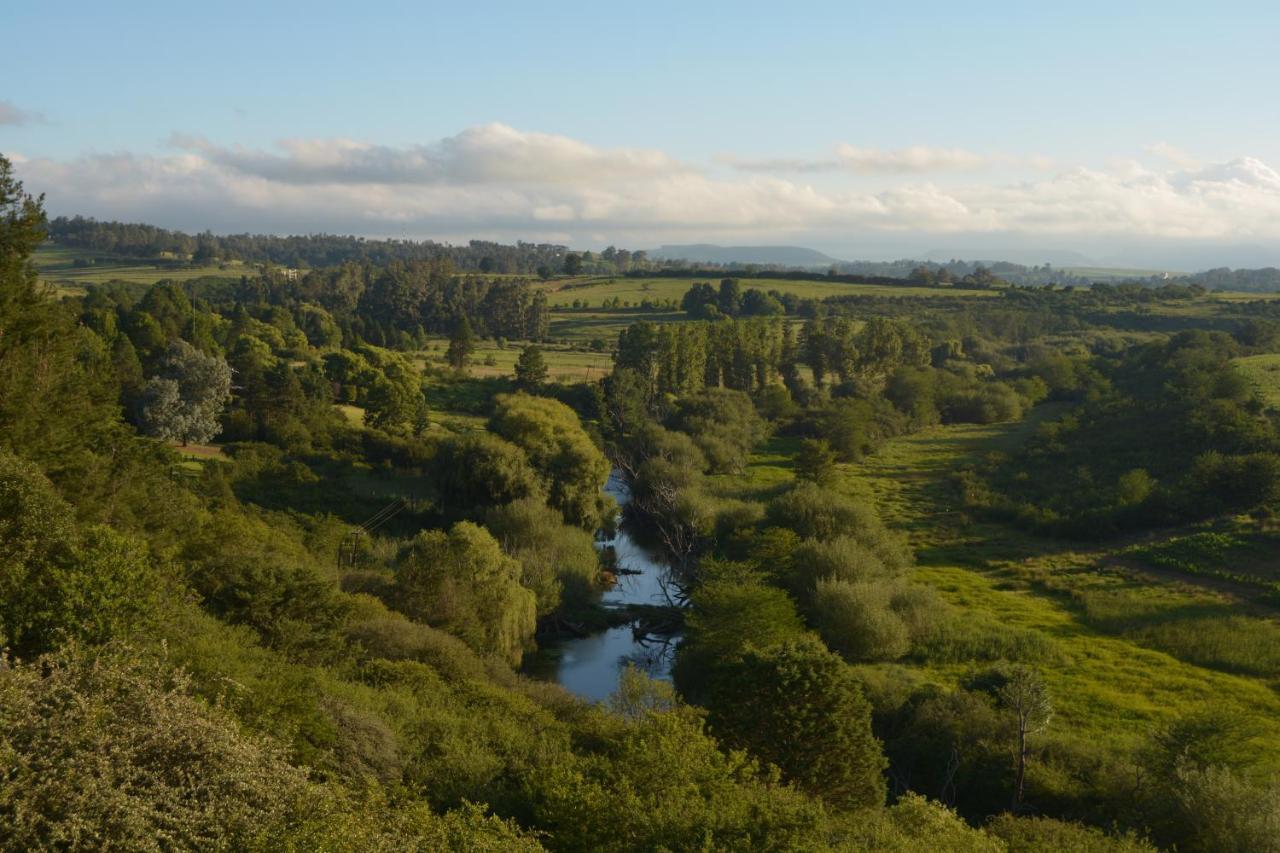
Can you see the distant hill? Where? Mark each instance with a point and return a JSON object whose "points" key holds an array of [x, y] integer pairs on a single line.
{"points": [[1030, 257], [707, 253]]}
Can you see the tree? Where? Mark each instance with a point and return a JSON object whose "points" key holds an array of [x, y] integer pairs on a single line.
{"points": [[461, 345], [478, 470], [729, 298], [461, 582], [798, 706], [58, 583], [531, 368], [183, 400], [816, 461], [573, 264], [731, 609], [572, 467], [1026, 699], [559, 562], [857, 620]]}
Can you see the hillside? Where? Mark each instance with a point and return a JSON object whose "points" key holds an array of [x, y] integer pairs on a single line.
{"points": [[782, 256]]}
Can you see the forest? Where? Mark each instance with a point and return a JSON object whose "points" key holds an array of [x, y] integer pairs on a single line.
{"points": [[289, 560]]}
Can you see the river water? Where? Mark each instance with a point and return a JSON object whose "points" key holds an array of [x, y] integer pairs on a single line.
{"points": [[590, 666]]}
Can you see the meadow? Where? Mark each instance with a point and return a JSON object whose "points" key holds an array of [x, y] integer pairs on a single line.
{"points": [[1124, 652], [593, 290], [1264, 372], [56, 266]]}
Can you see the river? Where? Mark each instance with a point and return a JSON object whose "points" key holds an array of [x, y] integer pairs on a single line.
{"points": [[590, 666]]}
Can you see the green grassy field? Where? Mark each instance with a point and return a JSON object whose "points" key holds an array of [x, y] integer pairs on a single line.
{"points": [[1264, 372], [490, 360], [56, 265], [595, 290], [1122, 652]]}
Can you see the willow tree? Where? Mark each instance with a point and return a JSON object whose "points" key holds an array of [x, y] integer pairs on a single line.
{"points": [[573, 469], [462, 582]]}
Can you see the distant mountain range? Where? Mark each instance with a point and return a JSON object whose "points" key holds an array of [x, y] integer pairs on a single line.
{"points": [[706, 253], [1156, 257]]}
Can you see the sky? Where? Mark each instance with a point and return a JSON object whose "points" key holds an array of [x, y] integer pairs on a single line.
{"points": [[1127, 132]]}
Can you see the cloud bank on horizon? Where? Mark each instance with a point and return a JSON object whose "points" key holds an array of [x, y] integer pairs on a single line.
{"points": [[500, 182]]}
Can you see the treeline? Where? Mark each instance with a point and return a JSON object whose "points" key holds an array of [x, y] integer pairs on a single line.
{"points": [[395, 306], [317, 250], [1265, 280]]}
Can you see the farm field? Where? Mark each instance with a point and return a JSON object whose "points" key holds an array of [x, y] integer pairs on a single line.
{"points": [[56, 267], [491, 360], [594, 290]]}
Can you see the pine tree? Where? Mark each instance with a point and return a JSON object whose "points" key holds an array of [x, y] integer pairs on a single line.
{"points": [[461, 345], [531, 368]]}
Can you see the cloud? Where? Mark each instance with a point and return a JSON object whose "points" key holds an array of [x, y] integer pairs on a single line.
{"points": [[916, 159], [12, 115], [492, 153], [495, 181]]}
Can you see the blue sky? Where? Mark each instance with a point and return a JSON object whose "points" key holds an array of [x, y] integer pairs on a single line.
{"points": [[843, 125]]}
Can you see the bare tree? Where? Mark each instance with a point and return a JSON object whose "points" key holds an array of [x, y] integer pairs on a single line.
{"points": [[1025, 696]]}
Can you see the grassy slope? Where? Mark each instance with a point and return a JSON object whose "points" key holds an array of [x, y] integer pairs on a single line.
{"points": [[1264, 372], [1109, 688], [55, 264]]}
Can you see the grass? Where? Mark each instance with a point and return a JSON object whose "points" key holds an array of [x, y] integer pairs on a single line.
{"points": [[564, 363], [1264, 372], [562, 293], [1122, 653], [56, 266]]}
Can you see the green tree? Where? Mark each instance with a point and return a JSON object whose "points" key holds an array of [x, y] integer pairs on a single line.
{"points": [[461, 582], [531, 368], [727, 612], [559, 562], [857, 620], [798, 706], [816, 461], [478, 470], [573, 264], [56, 582], [183, 400], [572, 467], [461, 345]]}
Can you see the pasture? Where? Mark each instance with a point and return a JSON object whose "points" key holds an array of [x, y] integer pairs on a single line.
{"points": [[594, 290], [57, 267]]}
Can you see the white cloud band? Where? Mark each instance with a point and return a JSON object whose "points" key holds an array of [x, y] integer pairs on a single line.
{"points": [[497, 181]]}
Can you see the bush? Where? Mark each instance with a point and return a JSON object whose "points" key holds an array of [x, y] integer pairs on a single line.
{"points": [[815, 513], [857, 620]]}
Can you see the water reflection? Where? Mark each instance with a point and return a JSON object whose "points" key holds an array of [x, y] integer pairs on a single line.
{"points": [[590, 666]]}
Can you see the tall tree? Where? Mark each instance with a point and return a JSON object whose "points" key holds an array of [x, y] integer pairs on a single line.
{"points": [[461, 344], [1026, 699], [531, 368]]}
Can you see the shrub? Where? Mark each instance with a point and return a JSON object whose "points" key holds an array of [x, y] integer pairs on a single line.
{"points": [[857, 620]]}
